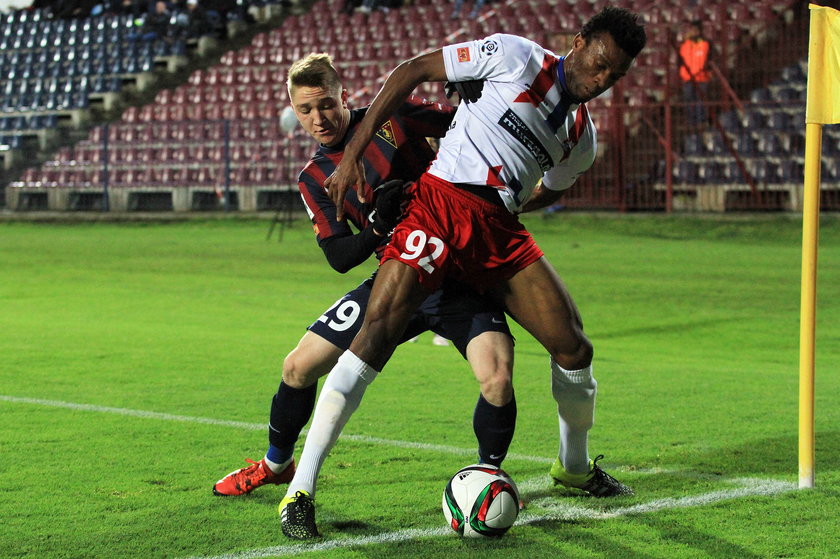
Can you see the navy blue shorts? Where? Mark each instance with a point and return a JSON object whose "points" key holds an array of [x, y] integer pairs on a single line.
{"points": [[454, 311]]}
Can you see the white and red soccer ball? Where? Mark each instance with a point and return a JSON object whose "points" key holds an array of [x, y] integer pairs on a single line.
{"points": [[481, 501]]}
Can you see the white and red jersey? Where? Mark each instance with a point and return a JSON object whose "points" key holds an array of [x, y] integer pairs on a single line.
{"points": [[523, 128]]}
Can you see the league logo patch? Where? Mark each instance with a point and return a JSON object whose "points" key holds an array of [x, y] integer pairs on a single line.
{"points": [[463, 54], [387, 133], [489, 48]]}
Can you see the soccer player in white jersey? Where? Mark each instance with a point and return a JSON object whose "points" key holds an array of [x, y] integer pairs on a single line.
{"points": [[530, 124]]}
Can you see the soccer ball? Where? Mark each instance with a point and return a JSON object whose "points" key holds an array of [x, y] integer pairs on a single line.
{"points": [[481, 501]]}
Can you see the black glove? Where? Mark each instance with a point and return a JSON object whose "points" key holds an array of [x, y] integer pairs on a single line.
{"points": [[469, 91], [388, 203]]}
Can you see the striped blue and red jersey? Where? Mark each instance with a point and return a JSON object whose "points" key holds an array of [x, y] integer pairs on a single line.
{"points": [[399, 150]]}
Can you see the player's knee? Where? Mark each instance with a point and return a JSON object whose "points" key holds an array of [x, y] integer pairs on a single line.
{"points": [[497, 384], [295, 372], [575, 356], [497, 390]]}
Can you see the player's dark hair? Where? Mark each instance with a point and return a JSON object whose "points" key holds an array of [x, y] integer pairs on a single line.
{"points": [[622, 24]]}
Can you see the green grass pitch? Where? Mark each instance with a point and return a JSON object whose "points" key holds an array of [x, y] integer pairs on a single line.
{"points": [[138, 361]]}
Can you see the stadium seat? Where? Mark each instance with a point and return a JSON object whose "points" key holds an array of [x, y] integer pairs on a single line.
{"points": [[763, 170], [710, 172], [791, 171], [787, 95], [685, 172], [744, 143], [761, 95], [793, 143], [778, 120], [732, 173], [713, 143], [752, 120], [730, 120], [768, 143]]}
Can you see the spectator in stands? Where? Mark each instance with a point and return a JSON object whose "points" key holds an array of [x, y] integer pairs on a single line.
{"points": [[157, 24], [201, 22], [350, 6], [456, 10], [695, 51], [134, 8], [369, 6], [230, 10]]}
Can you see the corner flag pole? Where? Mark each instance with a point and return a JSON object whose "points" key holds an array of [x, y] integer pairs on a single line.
{"points": [[823, 107], [807, 329]]}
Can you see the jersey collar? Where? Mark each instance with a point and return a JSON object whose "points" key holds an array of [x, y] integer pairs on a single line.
{"points": [[566, 98]]}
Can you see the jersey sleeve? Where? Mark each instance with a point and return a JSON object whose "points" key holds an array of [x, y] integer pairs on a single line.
{"points": [[498, 57], [563, 175], [425, 118], [321, 209]]}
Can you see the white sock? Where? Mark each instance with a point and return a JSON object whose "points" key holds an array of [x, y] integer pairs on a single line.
{"points": [[340, 396], [275, 467], [574, 392]]}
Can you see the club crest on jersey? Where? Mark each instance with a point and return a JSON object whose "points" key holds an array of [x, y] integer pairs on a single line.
{"points": [[489, 48], [463, 54], [387, 133]]}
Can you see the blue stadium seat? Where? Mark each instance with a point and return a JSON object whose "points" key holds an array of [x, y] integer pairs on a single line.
{"points": [[763, 170], [830, 146], [732, 173], [778, 120], [791, 170], [713, 143], [830, 171], [730, 121], [768, 143], [692, 145], [793, 143], [793, 73], [685, 171], [787, 94], [761, 95], [752, 120], [710, 172], [744, 143]]}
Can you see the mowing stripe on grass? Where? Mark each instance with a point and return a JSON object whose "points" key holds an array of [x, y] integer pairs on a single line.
{"points": [[555, 511], [254, 427]]}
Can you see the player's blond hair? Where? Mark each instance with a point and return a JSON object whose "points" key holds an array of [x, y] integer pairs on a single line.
{"points": [[314, 70]]}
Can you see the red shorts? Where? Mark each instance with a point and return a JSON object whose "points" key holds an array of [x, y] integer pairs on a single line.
{"points": [[450, 232]]}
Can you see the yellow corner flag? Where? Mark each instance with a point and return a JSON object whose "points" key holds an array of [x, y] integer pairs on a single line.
{"points": [[823, 107], [824, 67]]}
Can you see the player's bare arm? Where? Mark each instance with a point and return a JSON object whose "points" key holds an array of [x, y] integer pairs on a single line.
{"points": [[396, 89], [542, 197]]}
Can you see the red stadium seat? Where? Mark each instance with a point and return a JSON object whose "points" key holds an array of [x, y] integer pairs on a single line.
{"points": [[180, 95], [260, 40], [176, 112], [146, 114], [163, 96]]}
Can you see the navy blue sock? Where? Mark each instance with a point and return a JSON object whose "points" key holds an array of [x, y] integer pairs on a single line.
{"points": [[291, 409], [494, 428]]}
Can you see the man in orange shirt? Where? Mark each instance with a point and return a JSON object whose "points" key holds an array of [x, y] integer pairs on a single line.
{"points": [[694, 55]]}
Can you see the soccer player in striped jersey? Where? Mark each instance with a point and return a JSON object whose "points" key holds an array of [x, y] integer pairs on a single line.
{"points": [[530, 126], [475, 324]]}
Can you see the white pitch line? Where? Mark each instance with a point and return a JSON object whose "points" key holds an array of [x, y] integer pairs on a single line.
{"points": [[557, 511], [748, 487], [554, 510], [256, 427]]}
